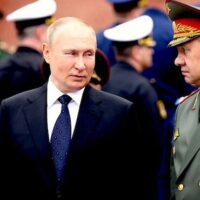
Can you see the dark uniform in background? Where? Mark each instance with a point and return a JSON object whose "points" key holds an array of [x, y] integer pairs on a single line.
{"points": [[22, 70], [132, 42]]}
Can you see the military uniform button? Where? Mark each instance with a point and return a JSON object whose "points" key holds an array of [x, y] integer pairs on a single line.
{"points": [[199, 183], [180, 187]]}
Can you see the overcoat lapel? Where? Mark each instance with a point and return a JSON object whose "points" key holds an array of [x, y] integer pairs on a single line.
{"points": [[89, 116]]}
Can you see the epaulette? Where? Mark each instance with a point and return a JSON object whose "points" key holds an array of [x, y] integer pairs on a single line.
{"points": [[183, 99]]}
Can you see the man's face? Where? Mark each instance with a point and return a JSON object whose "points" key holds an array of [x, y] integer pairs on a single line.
{"points": [[71, 57], [146, 56], [188, 59]]}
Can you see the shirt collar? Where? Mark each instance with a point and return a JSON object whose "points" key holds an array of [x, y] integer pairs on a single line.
{"points": [[53, 93]]}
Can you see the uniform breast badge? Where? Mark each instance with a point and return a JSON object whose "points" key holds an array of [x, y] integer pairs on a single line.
{"points": [[161, 109]]}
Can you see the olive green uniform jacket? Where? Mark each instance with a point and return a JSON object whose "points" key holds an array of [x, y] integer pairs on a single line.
{"points": [[185, 165]]}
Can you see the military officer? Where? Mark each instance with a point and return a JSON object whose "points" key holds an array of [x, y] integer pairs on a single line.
{"points": [[21, 71], [134, 49], [185, 162], [123, 10]]}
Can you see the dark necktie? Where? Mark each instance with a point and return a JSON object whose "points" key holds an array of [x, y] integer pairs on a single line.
{"points": [[61, 137]]}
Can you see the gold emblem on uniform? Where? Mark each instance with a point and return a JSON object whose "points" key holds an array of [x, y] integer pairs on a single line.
{"points": [[176, 134], [161, 109], [182, 32], [199, 183], [180, 187]]}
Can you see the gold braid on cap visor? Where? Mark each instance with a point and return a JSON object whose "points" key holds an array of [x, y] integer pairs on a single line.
{"points": [[50, 21], [142, 3], [147, 41], [183, 32]]}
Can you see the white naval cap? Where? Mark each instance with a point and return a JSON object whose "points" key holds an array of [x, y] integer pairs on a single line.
{"points": [[34, 13], [138, 29]]}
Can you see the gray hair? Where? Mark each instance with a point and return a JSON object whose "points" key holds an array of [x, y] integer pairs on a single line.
{"points": [[69, 21]]}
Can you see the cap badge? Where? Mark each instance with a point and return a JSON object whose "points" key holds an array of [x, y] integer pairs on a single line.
{"points": [[161, 109], [182, 32]]}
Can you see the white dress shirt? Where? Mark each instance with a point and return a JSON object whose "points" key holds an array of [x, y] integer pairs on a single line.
{"points": [[54, 106]]}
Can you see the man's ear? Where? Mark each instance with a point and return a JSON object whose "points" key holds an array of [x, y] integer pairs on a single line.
{"points": [[135, 52], [45, 51]]}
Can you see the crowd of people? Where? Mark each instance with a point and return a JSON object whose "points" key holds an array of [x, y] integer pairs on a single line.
{"points": [[132, 115]]}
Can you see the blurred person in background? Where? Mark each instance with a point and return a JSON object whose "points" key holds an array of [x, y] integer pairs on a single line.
{"points": [[22, 70], [133, 45], [123, 11]]}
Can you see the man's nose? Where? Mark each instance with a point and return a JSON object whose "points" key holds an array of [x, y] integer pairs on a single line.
{"points": [[80, 64], [179, 61]]}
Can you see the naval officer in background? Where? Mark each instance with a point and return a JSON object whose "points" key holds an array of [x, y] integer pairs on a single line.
{"points": [[22, 70]]}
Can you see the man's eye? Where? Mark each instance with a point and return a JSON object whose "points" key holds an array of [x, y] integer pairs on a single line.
{"points": [[69, 53], [89, 53]]}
